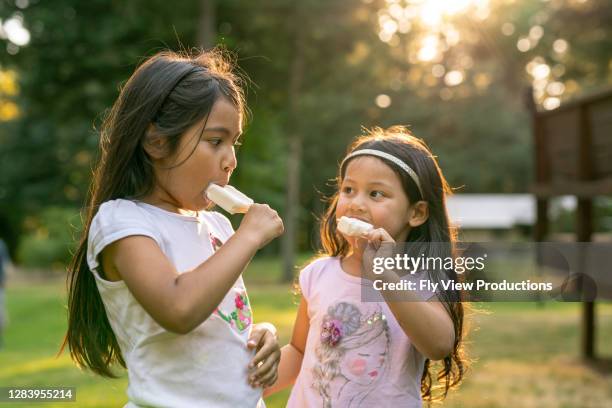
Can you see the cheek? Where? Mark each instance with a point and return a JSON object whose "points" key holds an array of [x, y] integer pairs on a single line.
{"points": [[381, 216], [391, 216], [340, 207], [357, 367]]}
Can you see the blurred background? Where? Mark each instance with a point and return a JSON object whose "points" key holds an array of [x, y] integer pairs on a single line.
{"points": [[470, 77]]}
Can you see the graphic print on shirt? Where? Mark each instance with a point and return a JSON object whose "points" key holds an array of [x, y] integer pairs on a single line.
{"points": [[215, 242], [352, 355], [240, 316]]}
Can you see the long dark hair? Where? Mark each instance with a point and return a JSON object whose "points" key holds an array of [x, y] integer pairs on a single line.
{"points": [[399, 142], [172, 92]]}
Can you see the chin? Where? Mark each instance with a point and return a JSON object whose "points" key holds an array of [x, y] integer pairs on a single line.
{"points": [[205, 205]]}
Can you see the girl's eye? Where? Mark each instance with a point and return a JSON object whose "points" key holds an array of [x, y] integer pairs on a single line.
{"points": [[347, 190], [215, 142], [377, 194]]}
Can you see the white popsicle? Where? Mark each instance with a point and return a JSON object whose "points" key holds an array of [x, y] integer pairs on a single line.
{"points": [[229, 198], [353, 227]]}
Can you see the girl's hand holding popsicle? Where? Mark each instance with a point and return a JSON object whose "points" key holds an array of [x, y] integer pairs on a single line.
{"points": [[261, 222]]}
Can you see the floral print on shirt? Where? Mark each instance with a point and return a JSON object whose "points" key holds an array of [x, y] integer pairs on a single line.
{"points": [[240, 317]]}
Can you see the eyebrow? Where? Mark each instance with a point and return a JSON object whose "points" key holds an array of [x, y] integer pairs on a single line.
{"points": [[222, 129], [373, 183]]}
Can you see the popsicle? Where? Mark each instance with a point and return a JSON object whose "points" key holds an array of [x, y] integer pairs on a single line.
{"points": [[229, 198], [353, 226]]}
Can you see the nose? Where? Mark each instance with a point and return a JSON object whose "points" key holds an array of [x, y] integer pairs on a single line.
{"points": [[357, 204], [229, 162]]}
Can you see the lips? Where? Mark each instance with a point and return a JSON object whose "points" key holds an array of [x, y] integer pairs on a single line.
{"points": [[221, 183], [359, 218], [373, 373]]}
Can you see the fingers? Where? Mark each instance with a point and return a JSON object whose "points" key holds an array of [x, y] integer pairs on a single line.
{"points": [[266, 361], [268, 378], [266, 326], [263, 222], [378, 235], [269, 347], [263, 369], [255, 338]]}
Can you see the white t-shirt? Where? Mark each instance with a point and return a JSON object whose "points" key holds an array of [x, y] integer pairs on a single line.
{"points": [[356, 355], [206, 367]]}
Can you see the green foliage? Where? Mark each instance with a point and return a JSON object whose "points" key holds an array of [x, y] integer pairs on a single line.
{"points": [[81, 52], [565, 222], [50, 238]]}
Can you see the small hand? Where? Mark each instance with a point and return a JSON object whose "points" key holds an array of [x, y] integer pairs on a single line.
{"points": [[263, 369], [262, 223], [378, 236], [377, 244]]}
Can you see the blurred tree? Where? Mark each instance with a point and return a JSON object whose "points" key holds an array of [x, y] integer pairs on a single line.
{"points": [[321, 91], [454, 71], [68, 74], [207, 33]]}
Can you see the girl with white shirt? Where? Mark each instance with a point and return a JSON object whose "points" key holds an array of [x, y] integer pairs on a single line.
{"points": [[156, 282]]}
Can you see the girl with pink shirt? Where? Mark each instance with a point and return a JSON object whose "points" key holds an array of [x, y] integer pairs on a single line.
{"points": [[347, 350]]}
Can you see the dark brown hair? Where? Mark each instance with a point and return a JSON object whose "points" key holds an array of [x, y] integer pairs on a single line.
{"points": [[399, 142], [172, 92]]}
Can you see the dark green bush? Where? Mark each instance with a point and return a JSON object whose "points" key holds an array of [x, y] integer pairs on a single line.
{"points": [[50, 238]]}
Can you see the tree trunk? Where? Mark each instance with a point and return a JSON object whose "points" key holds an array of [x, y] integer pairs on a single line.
{"points": [[294, 158], [207, 35]]}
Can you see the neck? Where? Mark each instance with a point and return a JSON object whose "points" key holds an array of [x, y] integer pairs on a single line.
{"points": [[351, 263], [163, 199], [167, 205]]}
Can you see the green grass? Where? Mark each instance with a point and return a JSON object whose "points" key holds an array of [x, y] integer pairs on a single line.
{"points": [[525, 355]]}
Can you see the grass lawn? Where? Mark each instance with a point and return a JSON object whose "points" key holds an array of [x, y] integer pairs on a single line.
{"points": [[525, 355]]}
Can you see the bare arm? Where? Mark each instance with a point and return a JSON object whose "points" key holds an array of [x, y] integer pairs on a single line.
{"points": [[180, 302], [293, 353], [427, 324]]}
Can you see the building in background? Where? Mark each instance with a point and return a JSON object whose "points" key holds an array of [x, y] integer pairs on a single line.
{"points": [[499, 216]]}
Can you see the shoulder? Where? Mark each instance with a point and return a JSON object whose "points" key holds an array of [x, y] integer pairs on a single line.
{"points": [[313, 272], [117, 219], [121, 215], [119, 210], [320, 263]]}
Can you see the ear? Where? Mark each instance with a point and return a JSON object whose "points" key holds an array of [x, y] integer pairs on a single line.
{"points": [[153, 143], [419, 213]]}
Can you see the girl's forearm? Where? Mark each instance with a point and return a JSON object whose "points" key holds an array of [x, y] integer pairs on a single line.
{"points": [[288, 369], [199, 292], [427, 324]]}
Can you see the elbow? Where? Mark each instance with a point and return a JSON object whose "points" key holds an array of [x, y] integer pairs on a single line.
{"points": [[438, 354], [178, 328], [179, 320], [176, 325], [441, 349]]}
